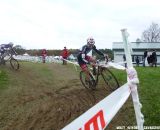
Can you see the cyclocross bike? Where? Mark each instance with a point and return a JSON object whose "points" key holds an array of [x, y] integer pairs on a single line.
{"points": [[108, 77], [7, 57]]}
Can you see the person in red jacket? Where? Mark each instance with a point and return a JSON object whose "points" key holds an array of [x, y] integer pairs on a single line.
{"points": [[44, 54], [64, 55]]}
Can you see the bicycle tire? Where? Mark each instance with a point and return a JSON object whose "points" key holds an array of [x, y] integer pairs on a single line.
{"points": [[14, 64], [93, 82], [110, 79], [2, 61]]}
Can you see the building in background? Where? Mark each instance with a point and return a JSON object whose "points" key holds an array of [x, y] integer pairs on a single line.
{"points": [[138, 49]]}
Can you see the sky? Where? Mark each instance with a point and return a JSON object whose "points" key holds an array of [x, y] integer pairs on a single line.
{"points": [[53, 24]]}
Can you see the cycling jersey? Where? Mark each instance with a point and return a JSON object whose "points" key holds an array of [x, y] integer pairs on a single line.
{"points": [[3, 47], [82, 55], [86, 49]]}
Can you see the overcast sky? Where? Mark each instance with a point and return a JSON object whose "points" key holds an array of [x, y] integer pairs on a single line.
{"points": [[53, 24]]}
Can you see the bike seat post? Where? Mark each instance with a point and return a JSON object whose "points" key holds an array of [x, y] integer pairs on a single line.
{"points": [[94, 70]]}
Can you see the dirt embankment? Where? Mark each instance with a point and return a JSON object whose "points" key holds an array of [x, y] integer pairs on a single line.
{"points": [[48, 97]]}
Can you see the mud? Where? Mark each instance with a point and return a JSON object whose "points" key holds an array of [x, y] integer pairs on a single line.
{"points": [[52, 108]]}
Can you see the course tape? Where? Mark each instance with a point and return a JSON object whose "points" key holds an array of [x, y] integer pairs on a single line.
{"points": [[108, 65]]}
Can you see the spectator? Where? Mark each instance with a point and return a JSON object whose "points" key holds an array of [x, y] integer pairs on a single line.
{"points": [[64, 55], [154, 58], [145, 57], [44, 54], [124, 59], [150, 59], [137, 61]]}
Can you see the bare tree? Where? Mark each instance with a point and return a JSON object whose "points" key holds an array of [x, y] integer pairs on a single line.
{"points": [[152, 34]]}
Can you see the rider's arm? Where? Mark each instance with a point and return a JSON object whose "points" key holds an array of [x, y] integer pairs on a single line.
{"points": [[97, 51]]}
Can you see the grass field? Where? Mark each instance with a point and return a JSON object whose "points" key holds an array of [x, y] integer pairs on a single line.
{"points": [[49, 96], [149, 93]]}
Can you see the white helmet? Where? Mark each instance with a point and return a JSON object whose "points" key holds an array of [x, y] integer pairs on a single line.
{"points": [[90, 41]]}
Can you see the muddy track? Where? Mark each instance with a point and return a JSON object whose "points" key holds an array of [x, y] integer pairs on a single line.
{"points": [[60, 109], [39, 107]]}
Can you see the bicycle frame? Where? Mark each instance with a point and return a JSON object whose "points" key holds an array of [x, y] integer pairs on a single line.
{"points": [[8, 56], [107, 75], [98, 69], [93, 78]]}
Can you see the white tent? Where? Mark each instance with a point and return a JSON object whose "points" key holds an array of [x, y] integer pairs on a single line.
{"points": [[25, 54], [71, 57]]}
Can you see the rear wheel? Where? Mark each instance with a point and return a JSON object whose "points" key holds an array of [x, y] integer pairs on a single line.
{"points": [[14, 64], [2, 61], [91, 84], [110, 79]]}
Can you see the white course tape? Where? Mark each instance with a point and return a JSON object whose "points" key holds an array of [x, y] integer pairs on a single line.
{"points": [[100, 115], [75, 63], [108, 65], [116, 66]]}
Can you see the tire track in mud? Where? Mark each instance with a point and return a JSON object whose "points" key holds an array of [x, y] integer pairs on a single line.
{"points": [[76, 102], [59, 109]]}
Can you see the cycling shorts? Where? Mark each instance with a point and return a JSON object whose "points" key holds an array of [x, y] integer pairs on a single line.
{"points": [[82, 63]]}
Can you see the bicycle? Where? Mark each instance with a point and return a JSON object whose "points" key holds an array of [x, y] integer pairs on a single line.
{"points": [[99, 69], [7, 55]]}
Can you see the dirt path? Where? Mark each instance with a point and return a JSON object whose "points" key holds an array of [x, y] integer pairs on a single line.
{"points": [[48, 97]]}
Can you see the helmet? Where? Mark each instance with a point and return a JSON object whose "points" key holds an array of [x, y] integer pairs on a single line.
{"points": [[90, 41]]}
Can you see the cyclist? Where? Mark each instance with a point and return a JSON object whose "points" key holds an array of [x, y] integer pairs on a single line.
{"points": [[84, 59], [3, 48]]}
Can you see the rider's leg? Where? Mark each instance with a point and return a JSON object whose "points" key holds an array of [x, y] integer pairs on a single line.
{"points": [[93, 61], [86, 71]]}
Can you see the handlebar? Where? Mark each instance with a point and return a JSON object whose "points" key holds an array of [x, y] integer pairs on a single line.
{"points": [[104, 58]]}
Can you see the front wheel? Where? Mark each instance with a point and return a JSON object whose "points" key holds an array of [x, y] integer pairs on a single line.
{"points": [[110, 79], [14, 64], [91, 84]]}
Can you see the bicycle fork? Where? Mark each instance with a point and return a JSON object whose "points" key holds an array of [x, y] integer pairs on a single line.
{"points": [[93, 80]]}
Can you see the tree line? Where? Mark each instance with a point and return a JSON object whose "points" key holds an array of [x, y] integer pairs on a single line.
{"points": [[55, 52]]}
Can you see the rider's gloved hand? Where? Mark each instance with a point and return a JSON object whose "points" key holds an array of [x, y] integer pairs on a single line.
{"points": [[106, 57]]}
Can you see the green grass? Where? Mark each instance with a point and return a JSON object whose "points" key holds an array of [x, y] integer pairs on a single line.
{"points": [[149, 91], [3, 79]]}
